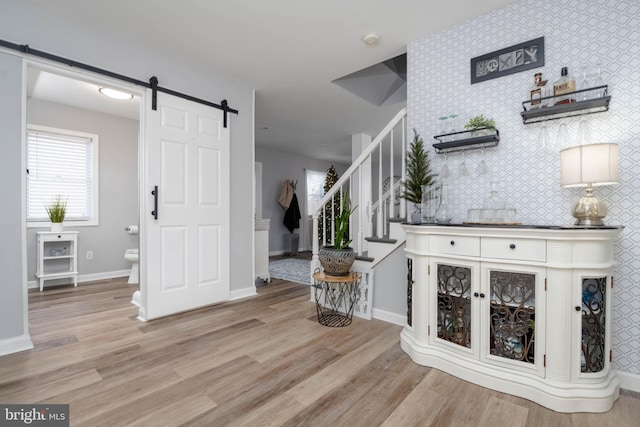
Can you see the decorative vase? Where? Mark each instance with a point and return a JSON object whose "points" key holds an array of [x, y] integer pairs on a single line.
{"points": [[56, 227], [336, 262], [429, 204], [416, 215], [443, 214]]}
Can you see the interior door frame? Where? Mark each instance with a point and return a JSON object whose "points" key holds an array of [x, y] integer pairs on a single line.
{"points": [[99, 79]]}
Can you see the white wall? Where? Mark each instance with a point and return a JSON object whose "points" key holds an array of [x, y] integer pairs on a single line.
{"points": [[576, 32], [278, 166], [24, 23], [14, 334], [118, 186]]}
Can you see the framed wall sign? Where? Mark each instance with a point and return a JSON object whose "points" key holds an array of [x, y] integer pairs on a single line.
{"points": [[513, 59]]}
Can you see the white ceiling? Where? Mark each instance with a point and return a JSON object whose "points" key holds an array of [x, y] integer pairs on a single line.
{"points": [[288, 50], [64, 90]]}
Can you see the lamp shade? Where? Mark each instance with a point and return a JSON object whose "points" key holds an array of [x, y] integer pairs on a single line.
{"points": [[593, 164]]}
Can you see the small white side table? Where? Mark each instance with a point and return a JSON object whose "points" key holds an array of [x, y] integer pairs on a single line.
{"points": [[57, 256]]}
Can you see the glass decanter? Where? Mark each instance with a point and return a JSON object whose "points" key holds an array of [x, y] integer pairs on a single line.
{"points": [[443, 214], [493, 201]]}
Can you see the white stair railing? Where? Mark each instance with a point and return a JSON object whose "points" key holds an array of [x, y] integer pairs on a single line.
{"points": [[358, 181]]}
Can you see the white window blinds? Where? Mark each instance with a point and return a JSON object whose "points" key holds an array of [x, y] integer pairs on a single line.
{"points": [[61, 163]]}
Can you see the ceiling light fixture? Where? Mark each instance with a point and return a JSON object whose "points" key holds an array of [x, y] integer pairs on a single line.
{"points": [[371, 39], [115, 94]]}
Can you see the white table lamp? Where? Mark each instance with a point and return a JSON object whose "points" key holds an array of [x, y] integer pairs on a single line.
{"points": [[589, 166]]}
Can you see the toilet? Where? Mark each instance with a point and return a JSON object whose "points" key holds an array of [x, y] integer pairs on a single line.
{"points": [[132, 256]]}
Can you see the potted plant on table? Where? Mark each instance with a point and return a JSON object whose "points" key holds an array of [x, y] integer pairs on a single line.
{"points": [[419, 176], [56, 210], [337, 260]]}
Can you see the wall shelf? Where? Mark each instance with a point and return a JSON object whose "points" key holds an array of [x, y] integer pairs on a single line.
{"points": [[578, 108], [466, 140]]}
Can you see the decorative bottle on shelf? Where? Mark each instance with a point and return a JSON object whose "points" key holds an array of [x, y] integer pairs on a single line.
{"points": [[538, 91], [459, 335], [564, 85], [443, 214]]}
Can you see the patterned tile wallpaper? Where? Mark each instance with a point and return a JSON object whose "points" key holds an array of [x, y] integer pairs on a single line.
{"points": [[577, 33]]}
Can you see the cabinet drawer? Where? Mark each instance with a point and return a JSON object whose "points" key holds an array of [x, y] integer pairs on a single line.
{"points": [[455, 245], [56, 237], [517, 249]]}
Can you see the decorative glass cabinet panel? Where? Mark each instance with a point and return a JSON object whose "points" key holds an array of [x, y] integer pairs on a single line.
{"points": [[454, 304], [512, 313], [592, 355]]}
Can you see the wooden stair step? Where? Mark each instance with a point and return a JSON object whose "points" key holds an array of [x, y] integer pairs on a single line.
{"points": [[381, 240]]}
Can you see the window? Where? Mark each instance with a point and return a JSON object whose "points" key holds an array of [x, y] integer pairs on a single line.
{"points": [[315, 187], [65, 163]]}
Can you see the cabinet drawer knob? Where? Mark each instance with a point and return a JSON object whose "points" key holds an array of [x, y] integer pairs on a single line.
{"points": [[475, 294], [59, 236], [452, 243], [577, 308], [512, 246], [481, 295]]}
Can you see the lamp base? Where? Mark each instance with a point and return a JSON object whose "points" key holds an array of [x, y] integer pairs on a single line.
{"points": [[589, 211]]}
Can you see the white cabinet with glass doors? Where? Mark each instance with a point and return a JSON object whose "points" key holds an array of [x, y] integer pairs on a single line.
{"points": [[488, 311], [521, 310]]}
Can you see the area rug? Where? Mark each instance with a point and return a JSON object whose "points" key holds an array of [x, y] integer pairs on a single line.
{"points": [[292, 269]]}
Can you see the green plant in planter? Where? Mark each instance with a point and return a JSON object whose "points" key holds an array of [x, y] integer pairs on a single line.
{"points": [[341, 223], [418, 170], [57, 209], [480, 122], [337, 260]]}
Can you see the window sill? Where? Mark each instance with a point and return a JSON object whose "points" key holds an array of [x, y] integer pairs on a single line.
{"points": [[72, 224]]}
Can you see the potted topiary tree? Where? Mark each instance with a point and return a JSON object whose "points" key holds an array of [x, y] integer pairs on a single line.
{"points": [[419, 176], [56, 210], [336, 260]]}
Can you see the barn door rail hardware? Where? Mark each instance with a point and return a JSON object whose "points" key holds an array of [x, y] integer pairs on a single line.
{"points": [[152, 84]]}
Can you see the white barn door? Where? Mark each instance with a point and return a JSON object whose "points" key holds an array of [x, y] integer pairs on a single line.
{"points": [[186, 249]]}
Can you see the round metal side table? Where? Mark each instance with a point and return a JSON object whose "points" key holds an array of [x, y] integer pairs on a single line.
{"points": [[336, 297]]}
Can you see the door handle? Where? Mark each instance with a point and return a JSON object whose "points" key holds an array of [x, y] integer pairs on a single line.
{"points": [[154, 193]]}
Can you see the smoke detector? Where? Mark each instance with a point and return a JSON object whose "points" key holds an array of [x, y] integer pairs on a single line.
{"points": [[371, 39]]}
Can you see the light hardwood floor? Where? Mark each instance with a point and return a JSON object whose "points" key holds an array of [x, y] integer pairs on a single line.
{"points": [[263, 360]]}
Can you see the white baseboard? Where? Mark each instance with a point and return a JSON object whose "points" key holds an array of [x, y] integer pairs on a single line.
{"points": [[629, 381], [387, 316], [16, 344], [34, 284], [242, 293]]}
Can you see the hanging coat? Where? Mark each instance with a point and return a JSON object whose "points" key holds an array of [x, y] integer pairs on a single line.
{"points": [[292, 215], [286, 195]]}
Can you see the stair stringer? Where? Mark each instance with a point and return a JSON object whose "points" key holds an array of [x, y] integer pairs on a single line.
{"points": [[391, 287]]}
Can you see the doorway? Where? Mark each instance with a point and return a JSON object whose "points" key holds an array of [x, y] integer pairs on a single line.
{"points": [[69, 103], [180, 149]]}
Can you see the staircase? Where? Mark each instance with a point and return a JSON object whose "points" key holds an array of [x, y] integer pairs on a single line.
{"points": [[374, 184]]}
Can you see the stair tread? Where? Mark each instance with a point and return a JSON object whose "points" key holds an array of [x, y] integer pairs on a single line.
{"points": [[381, 240], [397, 220], [365, 258]]}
